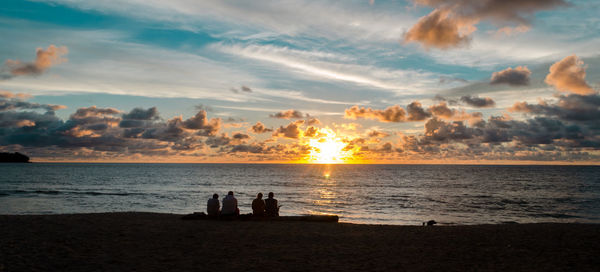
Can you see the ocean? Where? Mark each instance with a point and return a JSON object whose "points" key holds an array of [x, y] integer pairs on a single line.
{"points": [[369, 194]]}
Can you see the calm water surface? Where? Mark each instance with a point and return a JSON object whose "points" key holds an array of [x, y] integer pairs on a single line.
{"points": [[379, 194]]}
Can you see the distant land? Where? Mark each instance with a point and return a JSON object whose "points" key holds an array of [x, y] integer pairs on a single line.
{"points": [[13, 157]]}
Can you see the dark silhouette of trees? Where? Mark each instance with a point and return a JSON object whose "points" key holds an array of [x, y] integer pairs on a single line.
{"points": [[13, 157]]}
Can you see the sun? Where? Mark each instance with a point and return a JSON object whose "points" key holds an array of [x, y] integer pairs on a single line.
{"points": [[328, 148]]}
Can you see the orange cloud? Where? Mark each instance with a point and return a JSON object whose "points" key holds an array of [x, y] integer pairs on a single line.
{"points": [[568, 75], [390, 114], [289, 114], [260, 128], [44, 60], [452, 21]]}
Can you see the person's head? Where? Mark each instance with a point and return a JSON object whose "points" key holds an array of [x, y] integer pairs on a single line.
{"points": [[259, 196], [216, 196], [271, 194], [230, 193]]}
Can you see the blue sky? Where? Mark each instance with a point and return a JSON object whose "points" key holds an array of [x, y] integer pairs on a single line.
{"points": [[317, 57]]}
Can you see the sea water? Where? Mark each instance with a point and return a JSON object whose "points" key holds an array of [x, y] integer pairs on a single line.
{"points": [[374, 194]]}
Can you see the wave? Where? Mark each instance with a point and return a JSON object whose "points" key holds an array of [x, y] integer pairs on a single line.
{"points": [[54, 192]]}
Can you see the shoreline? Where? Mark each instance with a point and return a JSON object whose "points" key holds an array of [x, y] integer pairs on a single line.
{"points": [[339, 221], [127, 241], [466, 163]]}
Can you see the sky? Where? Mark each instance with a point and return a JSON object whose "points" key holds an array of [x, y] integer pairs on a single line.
{"points": [[417, 81]]}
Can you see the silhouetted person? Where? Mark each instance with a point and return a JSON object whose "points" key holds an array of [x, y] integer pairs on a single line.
{"points": [[230, 206], [213, 205], [271, 208], [258, 206]]}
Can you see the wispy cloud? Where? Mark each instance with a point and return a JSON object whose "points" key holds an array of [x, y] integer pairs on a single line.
{"points": [[312, 65]]}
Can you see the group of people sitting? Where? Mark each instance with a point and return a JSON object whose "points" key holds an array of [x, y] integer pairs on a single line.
{"points": [[260, 207]]}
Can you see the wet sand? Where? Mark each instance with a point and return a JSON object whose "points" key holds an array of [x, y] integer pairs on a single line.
{"points": [[163, 242]]}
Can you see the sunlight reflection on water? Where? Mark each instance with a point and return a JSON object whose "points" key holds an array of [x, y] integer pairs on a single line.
{"points": [[381, 194]]}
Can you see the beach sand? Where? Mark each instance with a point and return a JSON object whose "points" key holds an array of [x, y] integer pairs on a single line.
{"points": [[164, 242]]}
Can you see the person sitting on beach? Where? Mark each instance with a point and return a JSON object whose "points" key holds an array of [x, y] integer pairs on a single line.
{"points": [[230, 205], [271, 208], [258, 206], [212, 206]]}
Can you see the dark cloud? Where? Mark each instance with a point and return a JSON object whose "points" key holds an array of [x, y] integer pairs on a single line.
{"points": [[568, 75], [416, 112], [452, 21], [240, 136], [260, 128], [292, 130], [518, 76], [243, 88], [44, 60], [440, 131], [12, 104], [390, 114], [442, 110], [93, 111], [452, 102], [200, 122], [289, 114], [573, 107], [139, 117], [447, 80], [478, 102], [142, 114]]}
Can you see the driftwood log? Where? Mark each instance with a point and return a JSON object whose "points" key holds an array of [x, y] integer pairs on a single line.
{"points": [[249, 217]]}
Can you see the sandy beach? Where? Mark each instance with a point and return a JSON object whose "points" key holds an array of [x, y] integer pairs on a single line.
{"points": [[162, 242]]}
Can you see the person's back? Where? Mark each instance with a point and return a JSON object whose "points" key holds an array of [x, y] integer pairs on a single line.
{"points": [[258, 206], [271, 208], [212, 206], [229, 205]]}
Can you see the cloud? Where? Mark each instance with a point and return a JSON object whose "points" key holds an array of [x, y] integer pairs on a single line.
{"points": [[518, 76], [292, 130], [44, 60], [452, 22], [139, 117], [390, 114], [313, 121], [478, 102], [289, 114], [442, 110], [243, 88], [311, 131], [568, 75], [333, 67], [377, 134], [573, 107], [416, 112], [141, 114], [260, 128], [10, 101], [438, 29], [94, 111], [10, 95], [200, 122]]}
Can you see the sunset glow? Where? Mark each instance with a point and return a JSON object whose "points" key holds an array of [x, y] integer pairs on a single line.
{"points": [[328, 148]]}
